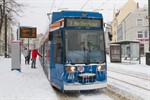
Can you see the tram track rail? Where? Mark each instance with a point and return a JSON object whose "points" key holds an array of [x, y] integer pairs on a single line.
{"points": [[130, 74], [120, 94], [124, 85], [137, 77]]}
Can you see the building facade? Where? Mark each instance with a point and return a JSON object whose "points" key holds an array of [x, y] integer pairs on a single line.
{"points": [[135, 27], [119, 16]]}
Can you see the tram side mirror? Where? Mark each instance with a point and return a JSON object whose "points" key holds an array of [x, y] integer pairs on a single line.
{"points": [[50, 36], [110, 36], [104, 25]]}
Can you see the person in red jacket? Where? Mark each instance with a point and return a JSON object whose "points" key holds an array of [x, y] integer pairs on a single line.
{"points": [[34, 56]]}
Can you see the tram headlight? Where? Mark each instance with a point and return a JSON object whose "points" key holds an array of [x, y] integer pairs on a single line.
{"points": [[70, 68], [100, 68]]}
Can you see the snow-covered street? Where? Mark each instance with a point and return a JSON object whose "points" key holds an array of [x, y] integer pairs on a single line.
{"points": [[130, 79], [75, 50], [32, 84]]}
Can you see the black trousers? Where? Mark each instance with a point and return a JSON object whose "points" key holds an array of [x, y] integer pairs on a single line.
{"points": [[26, 60], [33, 65]]}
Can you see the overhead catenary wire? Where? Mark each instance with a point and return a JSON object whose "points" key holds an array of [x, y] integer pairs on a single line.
{"points": [[60, 5], [103, 4], [91, 5], [84, 4], [52, 6]]}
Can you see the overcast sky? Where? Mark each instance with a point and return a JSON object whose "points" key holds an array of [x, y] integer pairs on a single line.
{"points": [[35, 12]]}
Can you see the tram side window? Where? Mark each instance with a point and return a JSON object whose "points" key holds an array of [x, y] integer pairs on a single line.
{"points": [[57, 47]]}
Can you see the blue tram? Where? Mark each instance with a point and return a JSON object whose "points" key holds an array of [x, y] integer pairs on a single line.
{"points": [[73, 50]]}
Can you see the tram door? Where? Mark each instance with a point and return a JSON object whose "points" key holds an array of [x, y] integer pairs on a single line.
{"points": [[46, 58]]}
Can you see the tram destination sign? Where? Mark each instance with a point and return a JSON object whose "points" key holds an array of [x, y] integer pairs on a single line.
{"points": [[96, 23], [27, 32]]}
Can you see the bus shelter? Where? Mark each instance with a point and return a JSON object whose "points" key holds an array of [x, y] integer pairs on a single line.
{"points": [[123, 51]]}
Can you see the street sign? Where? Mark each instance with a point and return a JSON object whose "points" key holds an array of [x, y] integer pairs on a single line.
{"points": [[27, 32]]}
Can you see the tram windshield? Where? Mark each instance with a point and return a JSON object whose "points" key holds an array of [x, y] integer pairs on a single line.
{"points": [[84, 46]]}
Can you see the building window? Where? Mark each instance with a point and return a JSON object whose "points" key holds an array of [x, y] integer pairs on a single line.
{"points": [[139, 22], [146, 35], [140, 34]]}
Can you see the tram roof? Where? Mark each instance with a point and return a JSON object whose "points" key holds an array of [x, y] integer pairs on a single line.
{"points": [[76, 14]]}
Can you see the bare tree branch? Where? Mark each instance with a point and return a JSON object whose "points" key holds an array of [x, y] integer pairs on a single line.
{"points": [[12, 8]]}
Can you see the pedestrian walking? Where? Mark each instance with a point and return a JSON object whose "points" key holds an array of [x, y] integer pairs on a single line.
{"points": [[25, 53], [34, 56], [28, 58]]}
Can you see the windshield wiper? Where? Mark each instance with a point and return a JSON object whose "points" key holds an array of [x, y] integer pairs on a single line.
{"points": [[89, 52], [103, 60], [91, 44], [83, 55], [78, 53]]}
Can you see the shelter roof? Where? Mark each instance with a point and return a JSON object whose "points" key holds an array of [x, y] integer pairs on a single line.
{"points": [[125, 42]]}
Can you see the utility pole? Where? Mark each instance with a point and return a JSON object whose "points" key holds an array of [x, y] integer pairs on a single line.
{"points": [[149, 21], [28, 44], [148, 53], [5, 36], [5, 20], [18, 32], [3, 8]]}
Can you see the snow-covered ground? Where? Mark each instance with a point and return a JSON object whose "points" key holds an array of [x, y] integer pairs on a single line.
{"points": [[137, 71], [32, 84]]}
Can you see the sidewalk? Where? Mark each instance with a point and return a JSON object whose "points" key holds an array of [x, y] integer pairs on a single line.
{"points": [[28, 84]]}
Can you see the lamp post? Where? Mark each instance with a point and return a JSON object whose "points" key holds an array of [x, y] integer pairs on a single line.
{"points": [[18, 31], [149, 21], [148, 53]]}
